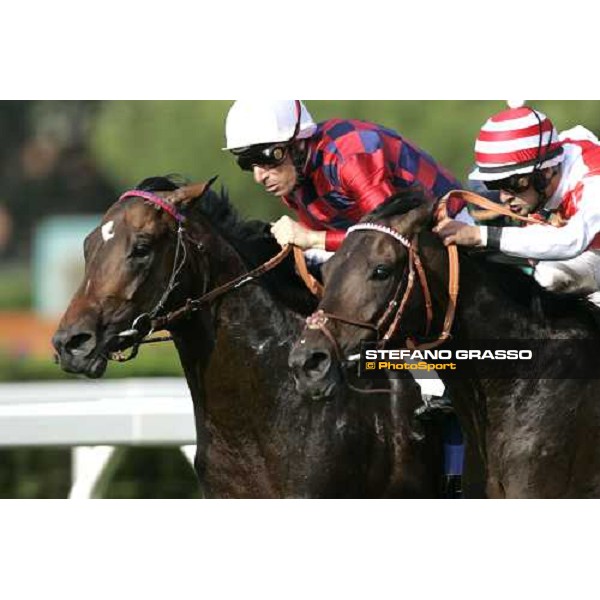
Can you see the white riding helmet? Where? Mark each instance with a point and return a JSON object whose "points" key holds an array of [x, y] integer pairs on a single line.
{"points": [[251, 122]]}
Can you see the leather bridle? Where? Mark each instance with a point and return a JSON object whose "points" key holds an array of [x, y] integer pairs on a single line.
{"points": [[386, 327], [146, 323]]}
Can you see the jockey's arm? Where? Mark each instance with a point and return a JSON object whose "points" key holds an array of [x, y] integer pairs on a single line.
{"points": [[551, 243], [364, 179]]}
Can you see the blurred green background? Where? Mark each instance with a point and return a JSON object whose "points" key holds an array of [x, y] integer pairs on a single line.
{"points": [[66, 158]]}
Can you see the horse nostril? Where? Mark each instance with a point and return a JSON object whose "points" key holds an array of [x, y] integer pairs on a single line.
{"points": [[317, 363], [78, 344]]}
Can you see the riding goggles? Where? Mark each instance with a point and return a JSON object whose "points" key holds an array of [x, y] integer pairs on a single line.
{"points": [[515, 184], [263, 155]]}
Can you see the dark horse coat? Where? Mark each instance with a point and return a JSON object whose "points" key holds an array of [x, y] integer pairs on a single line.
{"points": [[256, 436], [535, 437]]}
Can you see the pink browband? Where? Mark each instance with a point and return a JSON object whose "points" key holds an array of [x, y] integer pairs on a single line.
{"points": [[157, 200]]}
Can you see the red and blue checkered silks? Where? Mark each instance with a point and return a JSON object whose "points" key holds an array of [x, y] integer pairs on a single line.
{"points": [[353, 167]]}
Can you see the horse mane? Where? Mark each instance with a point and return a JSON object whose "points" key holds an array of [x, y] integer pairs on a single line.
{"points": [[166, 183], [251, 239], [398, 204]]}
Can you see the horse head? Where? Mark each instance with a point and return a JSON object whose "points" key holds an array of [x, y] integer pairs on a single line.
{"points": [[370, 293], [134, 269]]}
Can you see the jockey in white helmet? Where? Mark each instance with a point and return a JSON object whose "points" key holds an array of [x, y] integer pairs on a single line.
{"points": [[330, 174]]}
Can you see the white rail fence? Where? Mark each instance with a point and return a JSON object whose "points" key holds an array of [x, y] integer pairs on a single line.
{"points": [[98, 419]]}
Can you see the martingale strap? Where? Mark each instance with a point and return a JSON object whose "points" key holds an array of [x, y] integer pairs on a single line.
{"points": [[157, 200]]}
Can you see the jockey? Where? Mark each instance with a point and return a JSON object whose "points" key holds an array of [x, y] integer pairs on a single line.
{"points": [[330, 174], [554, 178]]}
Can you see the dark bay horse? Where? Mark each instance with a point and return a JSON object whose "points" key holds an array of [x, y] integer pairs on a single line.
{"points": [[525, 438], [256, 436]]}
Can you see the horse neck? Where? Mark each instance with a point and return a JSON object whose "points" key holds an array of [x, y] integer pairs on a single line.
{"points": [[488, 311], [247, 398], [225, 264], [248, 317], [484, 309]]}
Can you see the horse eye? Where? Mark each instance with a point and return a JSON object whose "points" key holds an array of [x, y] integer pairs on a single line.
{"points": [[381, 272], [140, 250]]}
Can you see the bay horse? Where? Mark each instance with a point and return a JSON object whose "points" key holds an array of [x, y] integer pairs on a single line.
{"points": [[525, 438], [256, 435]]}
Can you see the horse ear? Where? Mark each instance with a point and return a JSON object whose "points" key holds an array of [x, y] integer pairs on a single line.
{"points": [[208, 185], [414, 220], [188, 195]]}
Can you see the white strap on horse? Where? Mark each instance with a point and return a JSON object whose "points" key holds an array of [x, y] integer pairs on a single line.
{"points": [[382, 229]]}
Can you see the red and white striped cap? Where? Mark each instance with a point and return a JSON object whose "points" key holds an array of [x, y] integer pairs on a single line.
{"points": [[516, 140]]}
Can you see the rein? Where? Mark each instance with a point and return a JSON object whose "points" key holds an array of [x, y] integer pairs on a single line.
{"points": [[484, 203], [193, 305], [145, 324]]}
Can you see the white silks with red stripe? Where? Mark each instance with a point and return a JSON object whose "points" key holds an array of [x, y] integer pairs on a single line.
{"points": [[514, 141], [575, 201]]}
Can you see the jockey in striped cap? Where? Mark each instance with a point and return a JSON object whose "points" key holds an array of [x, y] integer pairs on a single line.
{"points": [[513, 143], [552, 177]]}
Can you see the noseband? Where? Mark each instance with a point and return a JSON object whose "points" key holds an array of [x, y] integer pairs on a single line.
{"points": [[389, 321]]}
